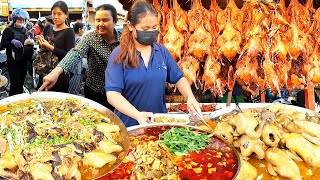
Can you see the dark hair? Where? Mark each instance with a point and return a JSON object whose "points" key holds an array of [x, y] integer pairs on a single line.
{"points": [[64, 8], [77, 26], [110, 8], [128, 54], [62, 5]]}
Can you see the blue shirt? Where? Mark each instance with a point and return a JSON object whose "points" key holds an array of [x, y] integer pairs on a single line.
{"points": [[143, 87]]}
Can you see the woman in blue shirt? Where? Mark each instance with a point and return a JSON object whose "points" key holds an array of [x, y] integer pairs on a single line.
{"points": [[139, 68]]}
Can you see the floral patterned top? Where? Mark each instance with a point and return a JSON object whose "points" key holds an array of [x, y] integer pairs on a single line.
{"points": [[97, 51]]}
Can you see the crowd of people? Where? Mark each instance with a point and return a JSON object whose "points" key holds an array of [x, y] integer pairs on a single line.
{"points": [[127, 72]]}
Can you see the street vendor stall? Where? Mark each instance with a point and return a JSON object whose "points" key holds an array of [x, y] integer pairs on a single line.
{"points": [[268, 45], [265, 44], [273, 141]]}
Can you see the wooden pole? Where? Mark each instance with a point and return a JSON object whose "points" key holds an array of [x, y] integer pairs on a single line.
{"points": [[309, 96], [263, 97]]}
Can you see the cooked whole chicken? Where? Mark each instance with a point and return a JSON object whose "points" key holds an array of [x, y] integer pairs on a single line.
{"points": [[282, 164], [309, 152], [249, 145], [270, 135], [225, 131], [247, 171], [246, 123]]}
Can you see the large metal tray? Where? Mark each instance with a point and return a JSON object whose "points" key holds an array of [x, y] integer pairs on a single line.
{"points": [[125, 142]]}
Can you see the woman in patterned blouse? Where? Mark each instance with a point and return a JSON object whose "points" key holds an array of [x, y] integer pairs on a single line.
{"points": [[97, 46]]}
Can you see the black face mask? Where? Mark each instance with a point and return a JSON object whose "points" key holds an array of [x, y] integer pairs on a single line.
{"points": [[147, 37]]}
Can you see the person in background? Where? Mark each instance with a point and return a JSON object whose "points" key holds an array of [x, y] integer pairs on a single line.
{"points": [[75, 81], [96, 46], [18, 50], [301, 99], [2, 27], [139, 68], [63, 39], [48, 24], [237, 94], [39, 26]]}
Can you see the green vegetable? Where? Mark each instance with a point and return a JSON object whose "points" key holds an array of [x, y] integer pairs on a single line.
{"points": [[88, 122], [36, 143], [56, 140], [180, 141]]}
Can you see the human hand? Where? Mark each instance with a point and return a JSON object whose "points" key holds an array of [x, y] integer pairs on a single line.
{"points": [[144, 117], [193, 106], [16, 43], [42, 42], [30, 32], [51, 79]]}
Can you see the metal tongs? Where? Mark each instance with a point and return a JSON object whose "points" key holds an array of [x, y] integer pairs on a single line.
{"points": [[200, 117], [237, 103]]}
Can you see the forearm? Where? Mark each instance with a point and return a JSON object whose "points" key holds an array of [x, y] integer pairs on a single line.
{"points": [[49, 47], [229, 98], [122, 104], [184, 88], [57, 71]]}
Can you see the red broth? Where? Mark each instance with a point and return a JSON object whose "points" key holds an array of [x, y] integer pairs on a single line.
{"points": [[217, 161]]}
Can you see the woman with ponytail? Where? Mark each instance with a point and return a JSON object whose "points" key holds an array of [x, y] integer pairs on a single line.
{"points": [[139, 68]]}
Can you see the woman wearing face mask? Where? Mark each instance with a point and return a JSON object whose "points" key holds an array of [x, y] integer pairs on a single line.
{"points": [[18, 51], [63, 40], [139, 68]]}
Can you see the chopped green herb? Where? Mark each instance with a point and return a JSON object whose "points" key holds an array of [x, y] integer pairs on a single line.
{"points": [[36, 143], [56, 140], [88, 122], [180, 141]]}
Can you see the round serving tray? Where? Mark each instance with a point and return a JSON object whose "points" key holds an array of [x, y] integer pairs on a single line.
{"points": [[148, 129], [125, 141]]}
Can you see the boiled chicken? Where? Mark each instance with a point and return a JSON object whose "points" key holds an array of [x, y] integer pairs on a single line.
{"points": [[309, 152], [247, 171], [283, 164], [249, 145], [309, 127], [8, 162], [246, 123], [98, 158], [225, 131], [41, 171], [270, 135]]}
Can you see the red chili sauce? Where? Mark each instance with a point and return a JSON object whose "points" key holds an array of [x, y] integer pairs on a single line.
{"points": [[217, 161]]}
